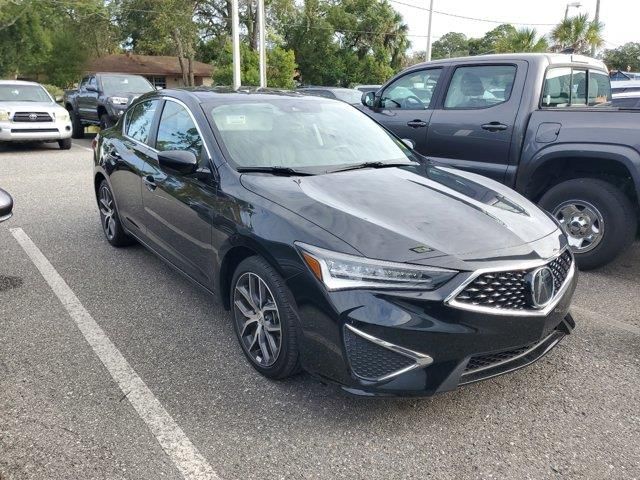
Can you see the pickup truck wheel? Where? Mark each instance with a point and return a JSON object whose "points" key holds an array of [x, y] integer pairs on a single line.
{"points": [[76, 125], [105, 122], [598, 219], [64, 144]]}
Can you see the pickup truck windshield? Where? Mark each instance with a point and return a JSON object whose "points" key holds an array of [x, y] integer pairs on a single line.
{"points": [[305, 133], [118, 84], [23, 93]]}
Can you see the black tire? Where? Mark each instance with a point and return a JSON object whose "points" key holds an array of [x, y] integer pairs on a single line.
{"points": [[286, 362], [113, 230], [105, 122], [619, 225], [76, 125], [64, 144]]}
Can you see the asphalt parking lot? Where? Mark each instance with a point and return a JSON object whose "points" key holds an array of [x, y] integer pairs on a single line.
{"points": [[574, 414]]}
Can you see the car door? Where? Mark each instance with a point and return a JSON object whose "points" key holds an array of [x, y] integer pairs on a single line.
{"points": [[88, 99], [473, 127], [128, 154], [404, 106], [81, 96], [178, 211]]}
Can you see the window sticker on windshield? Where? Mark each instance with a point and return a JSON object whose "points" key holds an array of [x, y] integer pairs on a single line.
{"points": [[235, 120]]}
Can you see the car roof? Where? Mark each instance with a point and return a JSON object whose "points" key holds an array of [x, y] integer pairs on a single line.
{"points": [[18, 82], [213, 94], [549, 58]]}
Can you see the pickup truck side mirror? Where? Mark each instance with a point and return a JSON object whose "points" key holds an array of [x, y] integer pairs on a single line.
{"points": [[369, 99], [91, 88], [59, 99], [6, 206], [181, 161]]}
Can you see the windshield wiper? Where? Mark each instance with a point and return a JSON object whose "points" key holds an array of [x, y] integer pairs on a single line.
{"points": [[358, 166], [273, 170]]}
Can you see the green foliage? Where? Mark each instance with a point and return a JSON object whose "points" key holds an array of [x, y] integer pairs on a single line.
{"points": [[524, 40], [491, 40], [280, 67], [578, 33], [625, 58], [54, 90], [452, 44]]}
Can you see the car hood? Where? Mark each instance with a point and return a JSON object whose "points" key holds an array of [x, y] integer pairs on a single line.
{"points": [[412, 214], [48, 107]]}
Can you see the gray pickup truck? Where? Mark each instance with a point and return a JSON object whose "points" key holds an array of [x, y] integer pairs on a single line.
{"points": [[101, 99], [540, 123]]}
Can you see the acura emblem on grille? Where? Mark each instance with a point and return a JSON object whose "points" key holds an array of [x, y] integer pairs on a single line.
{"points": [[541, 287], [33, 117]]}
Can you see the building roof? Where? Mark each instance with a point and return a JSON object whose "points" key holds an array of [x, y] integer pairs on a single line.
{"points": [[145, 65]]}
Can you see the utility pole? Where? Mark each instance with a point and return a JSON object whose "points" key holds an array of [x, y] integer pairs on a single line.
{"points": [[596, 20], [428, 52], [262, 50], [235, 39]]}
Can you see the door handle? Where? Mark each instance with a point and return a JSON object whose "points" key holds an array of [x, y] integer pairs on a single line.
{"points": [[494, 126], [149, 182], [416, 124], [114, 153]]}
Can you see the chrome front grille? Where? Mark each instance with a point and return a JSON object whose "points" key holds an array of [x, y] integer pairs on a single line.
{"points": [[32, 117], [509, 290]]}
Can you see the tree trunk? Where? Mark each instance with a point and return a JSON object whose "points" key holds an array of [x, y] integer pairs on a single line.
{"points": [[181, 57]]}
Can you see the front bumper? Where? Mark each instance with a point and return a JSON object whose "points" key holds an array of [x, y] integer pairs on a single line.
{"points": [[36, 131], [344, 337]]}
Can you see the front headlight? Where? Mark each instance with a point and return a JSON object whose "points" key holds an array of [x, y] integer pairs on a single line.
{"points": [[62, 115], [339, 271], [4, 116], [119, 100]]}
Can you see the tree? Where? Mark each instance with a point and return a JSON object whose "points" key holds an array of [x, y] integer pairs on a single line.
{"points": [[280, 66], [489, 43], [522, 41], [450, 45], [626, 57], [578, 33]]}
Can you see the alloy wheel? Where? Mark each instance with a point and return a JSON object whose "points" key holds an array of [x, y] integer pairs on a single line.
{"points": [[582, 223], [257, 319], [107, 210]]}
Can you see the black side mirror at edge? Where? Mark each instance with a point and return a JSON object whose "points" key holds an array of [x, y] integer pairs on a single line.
{"points": [[6, 206]]}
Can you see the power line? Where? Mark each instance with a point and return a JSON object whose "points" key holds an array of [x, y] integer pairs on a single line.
{"points": [[418, 7]]}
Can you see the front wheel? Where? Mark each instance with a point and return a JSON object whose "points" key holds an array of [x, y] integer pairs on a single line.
{"points": [[77, 128], [598, 219], [109, 218], [265, 318], [105, 122]]}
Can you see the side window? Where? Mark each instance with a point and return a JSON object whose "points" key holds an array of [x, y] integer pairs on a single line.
{"points": [[567, 87], [92, 82], [177, 131], [480, 86], [83, 83], [139, 120], [412, 91], [599, 88]]}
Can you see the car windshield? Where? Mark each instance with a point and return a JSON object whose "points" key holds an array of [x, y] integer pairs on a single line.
{"points": [[349, 96], [23, 93], [302, 133], [116, 84]]}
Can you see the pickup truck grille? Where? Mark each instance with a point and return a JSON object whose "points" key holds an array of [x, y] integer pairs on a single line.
{"points": [[32, 117], [509, 290]]}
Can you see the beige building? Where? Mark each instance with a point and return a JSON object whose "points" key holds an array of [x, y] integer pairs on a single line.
{"points": [[161, 71]]}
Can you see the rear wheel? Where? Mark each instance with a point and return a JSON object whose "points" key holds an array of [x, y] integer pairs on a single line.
{"points": [[76, 125], [109, 218], [265, 318], [598, 219], [64, 144]]}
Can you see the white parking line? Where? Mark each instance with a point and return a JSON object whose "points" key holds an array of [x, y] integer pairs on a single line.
{"points": [[607, 321], [185, 456], [84, 148]]}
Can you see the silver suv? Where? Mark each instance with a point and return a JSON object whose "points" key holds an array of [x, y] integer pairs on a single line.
{"points": [[29, 114]]}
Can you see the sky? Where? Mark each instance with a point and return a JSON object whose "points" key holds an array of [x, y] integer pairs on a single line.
{"points": [[621, 17]]}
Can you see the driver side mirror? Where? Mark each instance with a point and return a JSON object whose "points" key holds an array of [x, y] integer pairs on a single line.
{"points": [[181, 161], [6, 206], [409, 143], [91, 88], [369, 99]]}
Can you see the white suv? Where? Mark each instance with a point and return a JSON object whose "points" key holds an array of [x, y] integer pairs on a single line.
{"points": [[29, 114]]}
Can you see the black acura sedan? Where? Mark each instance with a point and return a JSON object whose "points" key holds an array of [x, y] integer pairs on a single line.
{"points": [[337, 249]]}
